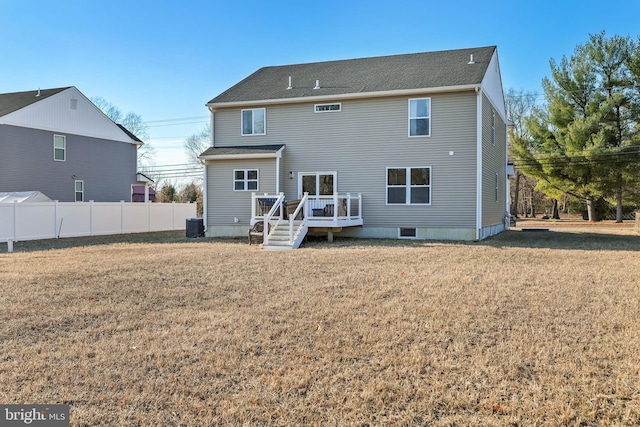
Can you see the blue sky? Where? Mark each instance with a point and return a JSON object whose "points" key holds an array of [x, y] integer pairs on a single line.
{"points": [[165, 59]]}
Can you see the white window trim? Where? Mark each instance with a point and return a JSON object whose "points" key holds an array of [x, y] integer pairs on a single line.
{"points": [[64, 148], [75, 190], [428, 135], [408, 187], [339, 104], [246, 180], [252, 121], [317, 175]]}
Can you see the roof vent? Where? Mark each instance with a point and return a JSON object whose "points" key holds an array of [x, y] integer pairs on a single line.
{"points": [[471, 61], [38, 94], [289, 87], [317, 84]]}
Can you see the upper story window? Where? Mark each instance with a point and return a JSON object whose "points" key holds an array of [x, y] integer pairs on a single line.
{"points": [[79, 188], [254, 122], [59, 148], [420, 117], [326, 108], [409, 186], [245, 180]]}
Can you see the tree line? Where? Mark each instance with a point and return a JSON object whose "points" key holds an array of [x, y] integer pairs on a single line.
{"points": [[584, 139]]}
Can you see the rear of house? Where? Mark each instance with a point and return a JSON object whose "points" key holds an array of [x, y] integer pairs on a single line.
{"points": [[406, 146]]}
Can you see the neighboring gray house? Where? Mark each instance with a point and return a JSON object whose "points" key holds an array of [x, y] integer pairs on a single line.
{"points": [[58, 142], [404, 146]]}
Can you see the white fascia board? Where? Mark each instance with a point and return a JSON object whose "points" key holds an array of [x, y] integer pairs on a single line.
{"points": [[365, 95]]}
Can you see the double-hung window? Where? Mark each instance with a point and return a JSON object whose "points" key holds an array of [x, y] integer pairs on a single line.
{"points": [[79, 189], [420, 117], [409, 186], [59, 148], [245, 180], [254, 122]]}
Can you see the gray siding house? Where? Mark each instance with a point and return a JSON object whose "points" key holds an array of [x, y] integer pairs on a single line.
{"points": [[404, 146], [58, 142]]}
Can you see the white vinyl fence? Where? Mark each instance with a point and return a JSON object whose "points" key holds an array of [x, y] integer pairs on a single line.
{"points": [[48, 220]]}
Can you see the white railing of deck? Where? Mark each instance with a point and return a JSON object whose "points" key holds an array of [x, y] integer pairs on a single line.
{"points": [[335, 207], [260, 204], [304, 207], [277, 207]]}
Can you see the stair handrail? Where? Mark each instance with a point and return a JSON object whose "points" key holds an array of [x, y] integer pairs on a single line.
{"points": [[304, 205], [277, 205]]}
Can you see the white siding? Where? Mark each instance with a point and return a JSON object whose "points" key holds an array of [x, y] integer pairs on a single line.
{"points": [[56, 114]]}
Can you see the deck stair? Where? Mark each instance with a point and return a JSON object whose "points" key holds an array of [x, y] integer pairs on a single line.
{"points": [[280, 236]]}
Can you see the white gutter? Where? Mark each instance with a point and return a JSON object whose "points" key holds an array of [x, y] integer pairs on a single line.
{"points": [[478, 162], [337, 97], [271, 155]]}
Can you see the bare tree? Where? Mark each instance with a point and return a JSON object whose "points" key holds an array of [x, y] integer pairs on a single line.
{"points": [[133, 123], [197, 143]]}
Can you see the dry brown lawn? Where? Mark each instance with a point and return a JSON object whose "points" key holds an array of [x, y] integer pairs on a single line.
{"points": [[523, 329]]}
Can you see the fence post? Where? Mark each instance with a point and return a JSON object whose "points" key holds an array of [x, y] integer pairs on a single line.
{"points": [[15, 218], [121, 216], [57, 229], [90, 217]]}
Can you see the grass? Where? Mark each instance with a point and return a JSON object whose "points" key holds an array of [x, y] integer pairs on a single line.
{"points": [[530, 329]]}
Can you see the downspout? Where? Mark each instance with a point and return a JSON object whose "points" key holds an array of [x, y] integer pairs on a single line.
{"points": [[507, 184], [479, 173], [211, 127], [204, 171], [278, 155], [204, 194]]}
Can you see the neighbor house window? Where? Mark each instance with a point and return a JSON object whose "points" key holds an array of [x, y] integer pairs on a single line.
{"points": [[245, 180], [323, 108], [420, 117], [254, 122], [59, 148], [79, 186], [409, 186]]}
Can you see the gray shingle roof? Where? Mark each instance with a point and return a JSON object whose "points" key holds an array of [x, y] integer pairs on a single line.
{"points": [[10, 102], [242, 150], [352, 76]]}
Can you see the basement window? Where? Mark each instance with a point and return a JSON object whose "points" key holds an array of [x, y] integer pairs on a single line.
{"points": [[407, 233], [328, 108]]}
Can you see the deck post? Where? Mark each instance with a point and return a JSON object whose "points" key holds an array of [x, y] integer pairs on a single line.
{"points": [[330, 235]]}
